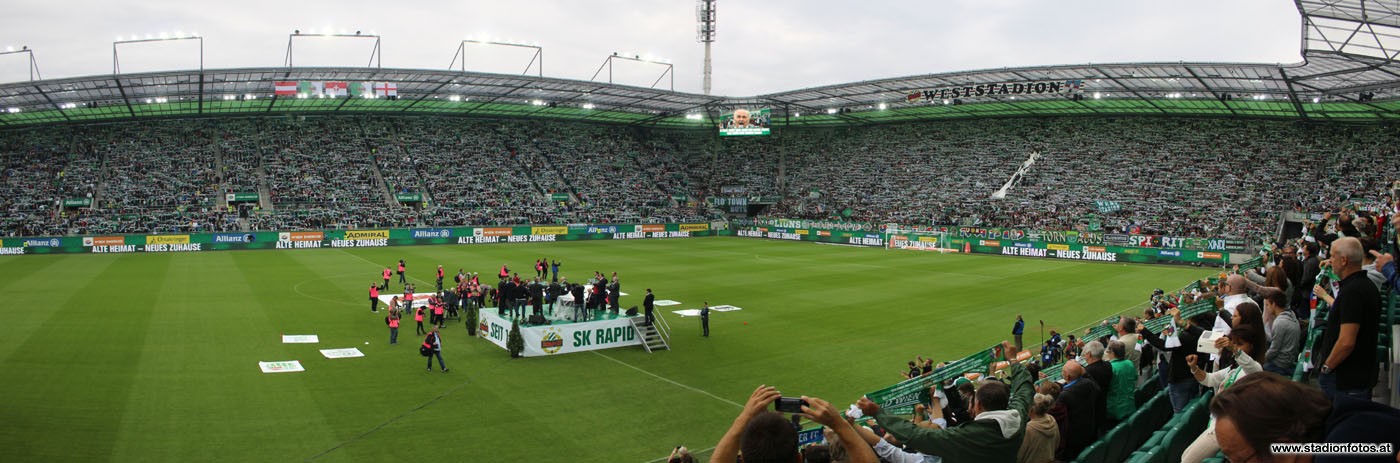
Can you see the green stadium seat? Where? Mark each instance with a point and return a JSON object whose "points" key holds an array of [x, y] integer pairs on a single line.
{"points": [[1154, 440], [1169, 442], [1115, 443], [1137, 457], [1094, 453], [1148, 390]]}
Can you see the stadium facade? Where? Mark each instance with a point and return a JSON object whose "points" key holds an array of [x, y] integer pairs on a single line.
{"points": [[1348, 73]]}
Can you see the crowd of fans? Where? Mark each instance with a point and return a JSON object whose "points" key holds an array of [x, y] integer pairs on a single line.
{"points": [[1180, 177]]}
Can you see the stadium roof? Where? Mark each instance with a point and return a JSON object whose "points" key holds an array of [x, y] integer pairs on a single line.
{"points": [[1349, 73]]}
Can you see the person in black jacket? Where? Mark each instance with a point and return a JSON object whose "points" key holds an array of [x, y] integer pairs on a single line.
{"points": [[1079, 396], [537, 295], [503, 292], [1102, 374], [1183, 386], [650, 305], [580, 312], [1311, 268]]}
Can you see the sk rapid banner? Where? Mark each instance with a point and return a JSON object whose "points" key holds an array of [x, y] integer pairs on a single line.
{"points": [[548, 340]]}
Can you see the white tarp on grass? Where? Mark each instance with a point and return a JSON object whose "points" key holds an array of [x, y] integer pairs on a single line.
{"points": [[342, 353], [696, 312], [285, 366], [666, 302], [300, 339]]}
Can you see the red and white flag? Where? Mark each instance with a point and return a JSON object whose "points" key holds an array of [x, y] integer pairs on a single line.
{"points": [[386, 89], [284, 88], [337, 88]]}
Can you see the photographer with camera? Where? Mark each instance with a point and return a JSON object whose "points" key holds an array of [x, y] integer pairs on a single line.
{"points": [[765, 436], [994, 434]]}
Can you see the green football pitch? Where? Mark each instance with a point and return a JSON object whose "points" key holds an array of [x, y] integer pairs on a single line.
{"points": [[154, 357]]}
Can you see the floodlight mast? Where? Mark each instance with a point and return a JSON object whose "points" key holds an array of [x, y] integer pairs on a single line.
{"points": [[116, 62], [537, 58], [607, 64], [376, 58], [33, 65], [705, 14]]}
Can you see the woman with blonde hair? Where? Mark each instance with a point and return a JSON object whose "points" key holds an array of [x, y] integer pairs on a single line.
{"points": [[1042, 432]]}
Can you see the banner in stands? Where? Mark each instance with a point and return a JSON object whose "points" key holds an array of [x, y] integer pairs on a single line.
{"points": [[408, 197], [744, 122], [239, 197], [901, 398], [77, 202], [1045, 87], [567, 338], [348, 238]]}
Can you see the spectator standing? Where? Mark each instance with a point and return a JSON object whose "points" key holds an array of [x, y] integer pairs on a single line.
{"points": [[1282, 355], [1181, 387], [1017, 329], [1347, 349], [1121, 399], [1080, 397], [1102, 374]]}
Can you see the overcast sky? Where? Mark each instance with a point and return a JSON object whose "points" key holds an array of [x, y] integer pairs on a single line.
{"points": [[763, 46]]}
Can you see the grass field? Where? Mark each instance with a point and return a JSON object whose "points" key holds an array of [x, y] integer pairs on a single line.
{"points": [[153, 357]]}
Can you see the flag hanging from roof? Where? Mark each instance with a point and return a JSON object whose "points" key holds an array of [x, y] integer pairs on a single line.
{"points": [[284, 88], [337, 88], [386, 89], [310, 88], [360, 89]]}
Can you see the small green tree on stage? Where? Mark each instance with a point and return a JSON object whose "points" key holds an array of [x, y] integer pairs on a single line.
{"points": [[515, 343]]}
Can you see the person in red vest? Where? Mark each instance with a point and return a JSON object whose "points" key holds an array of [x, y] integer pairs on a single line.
{"points": [[438, 318], [439, 280], [373, 298], [408, 297], [505, 272], [394, 326], [386, 278], [418, 317], [401, 269]]}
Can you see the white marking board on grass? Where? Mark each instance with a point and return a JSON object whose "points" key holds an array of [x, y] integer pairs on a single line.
{"points": [[284, 366], [300, 339], [666, 302], [342, 353], [713, 308]]}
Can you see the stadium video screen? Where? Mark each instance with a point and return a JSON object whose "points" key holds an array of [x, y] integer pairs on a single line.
{"points": [[744, 122]]}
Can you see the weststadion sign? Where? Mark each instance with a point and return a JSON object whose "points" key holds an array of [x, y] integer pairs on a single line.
{"points": [[1046, 87]]}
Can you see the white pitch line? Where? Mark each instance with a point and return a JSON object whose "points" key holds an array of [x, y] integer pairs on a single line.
{"points": [[654, 375]]}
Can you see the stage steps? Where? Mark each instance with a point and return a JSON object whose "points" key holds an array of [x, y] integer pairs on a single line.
{"points": [[654, 336]]}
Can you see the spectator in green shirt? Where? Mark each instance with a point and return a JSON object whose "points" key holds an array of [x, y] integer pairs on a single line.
{"points": [[1120, 391]]}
